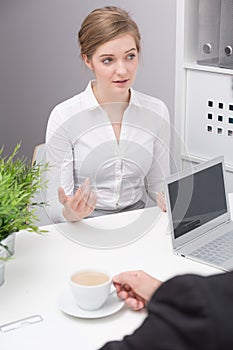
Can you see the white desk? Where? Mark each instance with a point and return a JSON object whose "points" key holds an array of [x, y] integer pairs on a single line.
{"points": [[42, 264]]}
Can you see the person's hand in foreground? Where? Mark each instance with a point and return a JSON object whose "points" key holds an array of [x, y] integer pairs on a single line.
{"points": [[135, 288], [80, 205], [160, 199]]}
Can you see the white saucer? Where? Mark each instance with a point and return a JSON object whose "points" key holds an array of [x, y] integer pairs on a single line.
{"points": [[67, 304]]}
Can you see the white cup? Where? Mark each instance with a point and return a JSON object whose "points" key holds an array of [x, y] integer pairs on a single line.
{"points": [[90, 288]]}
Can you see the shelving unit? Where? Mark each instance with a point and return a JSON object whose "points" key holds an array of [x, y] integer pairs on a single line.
{"points": [[201, 131]]}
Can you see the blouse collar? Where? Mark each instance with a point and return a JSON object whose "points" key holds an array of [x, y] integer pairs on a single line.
{"points": [[90, 100]]}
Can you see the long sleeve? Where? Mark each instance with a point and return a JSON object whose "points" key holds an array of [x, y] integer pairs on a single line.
{"points": [[59, 155], [186, 313], [160, 167]]}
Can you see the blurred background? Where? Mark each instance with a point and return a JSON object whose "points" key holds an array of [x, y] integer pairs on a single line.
{"points": [[40, 64]]}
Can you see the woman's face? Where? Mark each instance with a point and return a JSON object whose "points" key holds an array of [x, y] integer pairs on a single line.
{"points": [[115, 66]]}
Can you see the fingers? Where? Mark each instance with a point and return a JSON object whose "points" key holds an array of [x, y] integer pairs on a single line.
{"points": [[81, 204], [92, 199], [160, 198], [85, 198], [123, 290], [82, 193], [61, 195], [85, 190], [129, 278], [131, 299], [123, 295], [135, 304], [126, 284], [138, 284]]}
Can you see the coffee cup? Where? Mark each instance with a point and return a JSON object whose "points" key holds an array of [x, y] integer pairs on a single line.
{"points": [[90, 288]]}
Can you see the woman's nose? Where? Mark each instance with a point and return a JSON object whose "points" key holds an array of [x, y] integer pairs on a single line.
{"points": [[121, 68]]}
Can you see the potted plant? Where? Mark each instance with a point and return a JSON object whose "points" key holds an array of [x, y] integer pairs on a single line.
{"points": [[19, 182]]}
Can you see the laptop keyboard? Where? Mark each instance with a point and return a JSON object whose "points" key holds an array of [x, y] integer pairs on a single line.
{"points": [[216, 251]]}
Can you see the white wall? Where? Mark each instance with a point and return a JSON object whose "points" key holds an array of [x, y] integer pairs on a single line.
{"points": [[40, 64]]}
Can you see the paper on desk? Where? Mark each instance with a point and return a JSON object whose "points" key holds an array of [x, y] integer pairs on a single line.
{"points": [[48, 334]]}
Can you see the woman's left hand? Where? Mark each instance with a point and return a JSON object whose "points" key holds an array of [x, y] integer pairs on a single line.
{"points": [[160, 198]]}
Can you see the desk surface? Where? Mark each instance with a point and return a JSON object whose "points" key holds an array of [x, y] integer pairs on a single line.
{"points": [[42, 264]]}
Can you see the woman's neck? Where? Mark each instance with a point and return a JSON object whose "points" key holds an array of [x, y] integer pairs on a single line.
{"points": [[107, 98]]}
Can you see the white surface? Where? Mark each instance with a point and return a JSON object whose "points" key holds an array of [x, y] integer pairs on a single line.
{"points": [[118, 230], [48, 334], [40, 269]]}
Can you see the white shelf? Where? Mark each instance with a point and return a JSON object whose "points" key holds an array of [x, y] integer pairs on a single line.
{"points": [[195, 159], [187, 12], [212, 69]]}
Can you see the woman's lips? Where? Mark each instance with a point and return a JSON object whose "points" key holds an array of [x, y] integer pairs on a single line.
{"points": [[120, 81]]}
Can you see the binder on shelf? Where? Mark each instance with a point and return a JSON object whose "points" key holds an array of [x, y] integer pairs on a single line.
{"points": [[226, 35], [209, 32]]}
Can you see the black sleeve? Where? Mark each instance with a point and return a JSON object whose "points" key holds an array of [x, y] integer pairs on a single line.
{"points": [[186, 313]]}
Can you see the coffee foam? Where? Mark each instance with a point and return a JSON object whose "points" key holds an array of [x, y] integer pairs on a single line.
{"points": [[90, 278]]}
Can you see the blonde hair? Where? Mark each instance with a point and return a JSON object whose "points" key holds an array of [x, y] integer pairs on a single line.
{"points": [[103, 25]]}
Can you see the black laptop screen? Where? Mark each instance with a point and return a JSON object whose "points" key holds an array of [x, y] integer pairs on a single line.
{"points": [[197, 199]]}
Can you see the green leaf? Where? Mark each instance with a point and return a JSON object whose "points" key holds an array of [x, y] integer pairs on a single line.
{"points": [[19, 182]]}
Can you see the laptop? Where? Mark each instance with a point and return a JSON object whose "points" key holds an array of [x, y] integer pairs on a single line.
{"points": [[199, 214]]}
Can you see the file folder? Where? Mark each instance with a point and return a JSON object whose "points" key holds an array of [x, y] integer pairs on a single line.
{"points": [[226, 35], [208, 32]]}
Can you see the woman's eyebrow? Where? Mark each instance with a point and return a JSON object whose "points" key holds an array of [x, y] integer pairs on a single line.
{"points": [[110, 54], [106, 54], [133, 49]]}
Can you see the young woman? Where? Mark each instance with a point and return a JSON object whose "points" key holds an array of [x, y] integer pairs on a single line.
{"points": [[109, 143]]}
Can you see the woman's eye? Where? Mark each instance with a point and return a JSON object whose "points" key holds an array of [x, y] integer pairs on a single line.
{"points": [[131, 56], [107, 60]]}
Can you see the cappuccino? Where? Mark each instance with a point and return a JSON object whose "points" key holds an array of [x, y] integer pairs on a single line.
{"points": [[90, 278], [90, 288]]}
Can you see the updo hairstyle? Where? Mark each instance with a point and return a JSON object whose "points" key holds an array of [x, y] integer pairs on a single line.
{"points": [[105, 24]]}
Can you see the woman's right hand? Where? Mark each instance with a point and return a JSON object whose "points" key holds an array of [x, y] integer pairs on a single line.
{"points": [[80, 205]]}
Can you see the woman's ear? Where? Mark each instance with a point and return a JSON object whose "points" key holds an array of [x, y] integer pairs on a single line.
{"points": [[87, 62]]}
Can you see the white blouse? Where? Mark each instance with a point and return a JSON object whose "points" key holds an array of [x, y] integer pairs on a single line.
{"points": [[81, 143]]}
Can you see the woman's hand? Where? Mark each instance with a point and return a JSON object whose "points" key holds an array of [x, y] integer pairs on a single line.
{"points": [[135, 288], [160, 199], [80, 205]]}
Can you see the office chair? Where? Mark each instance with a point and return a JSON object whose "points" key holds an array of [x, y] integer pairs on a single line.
{"points": [[40, 158]]}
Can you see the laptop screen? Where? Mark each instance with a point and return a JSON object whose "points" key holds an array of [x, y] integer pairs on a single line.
{"points": [[197, 199]]}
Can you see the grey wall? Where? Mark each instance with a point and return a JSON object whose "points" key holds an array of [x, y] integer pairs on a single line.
{"points": [[40, 64]]}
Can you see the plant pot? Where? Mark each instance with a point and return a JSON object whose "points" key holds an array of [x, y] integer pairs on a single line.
{"points": [[2, 265], [10, 243]]}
